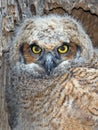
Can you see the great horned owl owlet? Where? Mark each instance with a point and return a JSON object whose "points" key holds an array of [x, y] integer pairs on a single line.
{"points": [[53, 82]]}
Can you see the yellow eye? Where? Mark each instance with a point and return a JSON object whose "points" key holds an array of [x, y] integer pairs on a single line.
{"points": [[63, 49], [36, 49]]}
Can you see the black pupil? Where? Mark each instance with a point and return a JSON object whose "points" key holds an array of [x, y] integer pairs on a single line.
{"points": [[37, 48], [62, 48]]}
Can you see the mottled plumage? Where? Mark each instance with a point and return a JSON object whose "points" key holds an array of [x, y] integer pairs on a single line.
{"points": [[53, 82]]}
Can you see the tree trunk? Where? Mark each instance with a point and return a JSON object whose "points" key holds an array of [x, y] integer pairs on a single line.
{"points": [[14, 11]]}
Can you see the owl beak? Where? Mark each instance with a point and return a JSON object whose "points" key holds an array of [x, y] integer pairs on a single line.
{"points": [[49, 63]]}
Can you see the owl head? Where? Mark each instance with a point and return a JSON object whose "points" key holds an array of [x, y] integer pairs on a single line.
{"points": [[50, 44]]}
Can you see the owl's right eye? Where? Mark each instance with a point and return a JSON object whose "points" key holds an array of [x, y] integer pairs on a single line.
{"points": [[63, 49], [36, 49]]}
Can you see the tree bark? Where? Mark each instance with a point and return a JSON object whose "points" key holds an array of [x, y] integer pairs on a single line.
{"points": [[12, 12]]}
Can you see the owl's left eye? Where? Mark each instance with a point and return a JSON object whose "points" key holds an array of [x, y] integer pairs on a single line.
{"points": [[36, 49], [63, 49]]}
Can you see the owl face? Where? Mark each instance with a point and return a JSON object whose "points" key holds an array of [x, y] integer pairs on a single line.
{"points": [[48, 57], [51, 43]]}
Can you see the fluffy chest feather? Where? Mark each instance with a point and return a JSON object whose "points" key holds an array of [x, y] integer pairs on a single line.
{"points": [[57, 102]]}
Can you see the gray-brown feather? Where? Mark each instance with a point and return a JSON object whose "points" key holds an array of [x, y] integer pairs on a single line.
{"points": [[65, 100]]}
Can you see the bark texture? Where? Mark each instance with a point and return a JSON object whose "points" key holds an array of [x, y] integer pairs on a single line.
{"points": [[12, 12]]}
